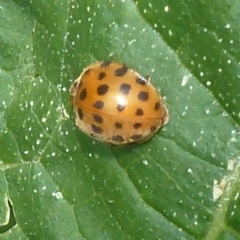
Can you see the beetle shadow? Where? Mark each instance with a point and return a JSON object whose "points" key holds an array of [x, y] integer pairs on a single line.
{"points": [[126, 151], [90, 146]]}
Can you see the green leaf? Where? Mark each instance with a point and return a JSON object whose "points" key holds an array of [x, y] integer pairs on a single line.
{"points": [[181, 184]]}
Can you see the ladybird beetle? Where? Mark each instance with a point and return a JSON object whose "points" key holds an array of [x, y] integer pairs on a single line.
{"points": [[115, 104]]}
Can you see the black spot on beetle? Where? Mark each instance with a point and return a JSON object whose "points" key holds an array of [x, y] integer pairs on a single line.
{"points": [[153, 129], [137, 125], [75, 84], [105, 63], [119, 72], [139, 112], [136, 137], [143, 96], [83, 94], [96, 129], [101, 75], [87, 71], [157, 105], [141, 80], [98, 104], [118, 138], [125, 88], [97, 118], [102, 89], [80, 113], [120, 107], [118, 125]]}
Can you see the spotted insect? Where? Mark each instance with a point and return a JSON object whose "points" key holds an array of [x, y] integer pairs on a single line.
{"points": [[114, 104]]}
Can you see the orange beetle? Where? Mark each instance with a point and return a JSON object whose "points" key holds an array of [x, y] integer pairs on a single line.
{"points": [[115, 104]]}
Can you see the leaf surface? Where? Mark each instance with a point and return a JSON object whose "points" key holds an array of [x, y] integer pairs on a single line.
{"points": [[181, 184]]}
